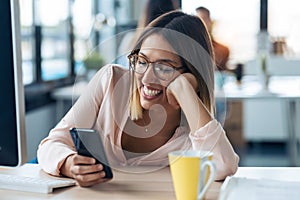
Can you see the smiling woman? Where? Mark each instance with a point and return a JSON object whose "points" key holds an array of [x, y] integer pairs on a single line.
{"points": [[163, 103], [152, 82]]}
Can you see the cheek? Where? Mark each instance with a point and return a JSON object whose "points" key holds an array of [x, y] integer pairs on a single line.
{"points": [[165, 84], [141, 80]]}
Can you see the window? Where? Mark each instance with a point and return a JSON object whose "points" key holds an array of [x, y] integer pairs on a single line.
{"points": [[82, 20], [27, 41], [237, 25], [45, 40], [56, 36], [55, 51], [46, 33], [284, 24]]}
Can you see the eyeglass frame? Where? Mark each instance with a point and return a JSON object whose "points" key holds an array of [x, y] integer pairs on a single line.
{"points": [[135, 54]]}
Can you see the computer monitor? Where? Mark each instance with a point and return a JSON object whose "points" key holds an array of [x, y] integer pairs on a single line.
{"points": [[12, 122]]}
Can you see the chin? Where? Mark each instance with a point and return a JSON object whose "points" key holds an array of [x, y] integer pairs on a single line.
{"points": [[145, 104]]}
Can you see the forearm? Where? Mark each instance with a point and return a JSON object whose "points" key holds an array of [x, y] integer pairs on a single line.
{"points": [[51, 156], [213, 138]]}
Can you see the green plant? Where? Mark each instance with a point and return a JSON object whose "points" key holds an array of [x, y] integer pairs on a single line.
{"points": [[93, 61]]}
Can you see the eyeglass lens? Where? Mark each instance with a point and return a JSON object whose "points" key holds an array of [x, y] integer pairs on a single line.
{"points": [[161, 70]]}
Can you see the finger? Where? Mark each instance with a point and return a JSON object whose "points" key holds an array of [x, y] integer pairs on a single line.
{"points": [[90, 179], [86, 169], [83, 160], [192, 80], [91, 183]]}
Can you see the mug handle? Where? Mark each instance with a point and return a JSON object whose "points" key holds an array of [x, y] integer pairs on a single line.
{"points": [[212, 175]]}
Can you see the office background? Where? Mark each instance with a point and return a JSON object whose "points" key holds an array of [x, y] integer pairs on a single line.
{"points": [[57, 39]]}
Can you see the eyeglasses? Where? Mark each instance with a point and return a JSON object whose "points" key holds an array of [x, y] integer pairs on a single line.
{"points": [[163, 71]]}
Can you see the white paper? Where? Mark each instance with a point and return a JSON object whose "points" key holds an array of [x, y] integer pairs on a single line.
{"points": [[245, 188]]}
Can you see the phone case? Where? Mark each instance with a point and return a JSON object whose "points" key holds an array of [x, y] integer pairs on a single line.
{"points": [[88, 143]]}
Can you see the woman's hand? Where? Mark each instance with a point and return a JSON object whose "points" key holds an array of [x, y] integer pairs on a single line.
{"points": [[84, 170], [180, 83], [182, 93], [191, 79]]}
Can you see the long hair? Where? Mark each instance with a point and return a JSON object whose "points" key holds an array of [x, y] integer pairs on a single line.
{"points": [[191, 42]]}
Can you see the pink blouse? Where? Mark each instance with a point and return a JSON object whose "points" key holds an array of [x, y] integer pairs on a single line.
{"points": [[104, 107]]}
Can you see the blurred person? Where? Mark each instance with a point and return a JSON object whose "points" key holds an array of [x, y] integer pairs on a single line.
{"points": [[164, 102], [221, 51]]}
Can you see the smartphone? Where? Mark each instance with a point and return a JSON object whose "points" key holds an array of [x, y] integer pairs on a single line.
{"points": [[88, 143]]}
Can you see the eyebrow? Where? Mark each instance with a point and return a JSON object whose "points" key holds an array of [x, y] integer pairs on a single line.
{"points": [[160, 60]]}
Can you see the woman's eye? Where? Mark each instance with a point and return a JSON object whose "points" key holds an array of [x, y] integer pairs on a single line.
{"points": [[142, 64], [164, 69]]}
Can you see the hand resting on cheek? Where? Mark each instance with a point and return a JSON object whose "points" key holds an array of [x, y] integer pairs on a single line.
{"points": [[182, 82]]}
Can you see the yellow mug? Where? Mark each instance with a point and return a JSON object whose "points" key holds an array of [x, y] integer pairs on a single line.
{"points": [[192, 173]]}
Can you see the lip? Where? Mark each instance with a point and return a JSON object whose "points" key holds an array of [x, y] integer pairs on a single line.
{"points": [[148, 97]]}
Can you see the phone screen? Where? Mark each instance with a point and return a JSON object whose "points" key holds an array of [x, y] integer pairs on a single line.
{"points": [[88, 143]]}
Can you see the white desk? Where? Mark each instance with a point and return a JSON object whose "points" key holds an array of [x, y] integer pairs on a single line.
{"points": [[285, 89], [262, 183], [155, 185], [275, 173]]}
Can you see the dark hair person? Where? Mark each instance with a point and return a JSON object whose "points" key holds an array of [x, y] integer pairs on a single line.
{"points": [[220, 50], [151, 10], [154, 9]]}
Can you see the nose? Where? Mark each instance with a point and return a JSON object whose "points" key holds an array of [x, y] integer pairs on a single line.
{"points": [[149, 75]]}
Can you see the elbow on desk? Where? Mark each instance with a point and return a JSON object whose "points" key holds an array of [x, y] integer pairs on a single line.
{"points": [[227, 168]]}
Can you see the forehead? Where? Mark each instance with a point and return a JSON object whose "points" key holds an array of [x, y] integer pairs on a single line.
{"points": [[157, 43]]}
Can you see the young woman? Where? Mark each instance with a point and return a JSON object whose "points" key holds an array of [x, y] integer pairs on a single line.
{"points": [[165, 102]]}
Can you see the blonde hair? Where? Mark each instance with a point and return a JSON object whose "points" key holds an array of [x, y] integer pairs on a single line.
{"points": [[135, 108]]}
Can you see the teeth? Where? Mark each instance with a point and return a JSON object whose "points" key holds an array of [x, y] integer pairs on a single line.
{"points": [[149, 92]]}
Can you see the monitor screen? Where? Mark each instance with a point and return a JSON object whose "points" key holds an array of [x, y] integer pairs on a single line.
{"points": [[12, 130]]}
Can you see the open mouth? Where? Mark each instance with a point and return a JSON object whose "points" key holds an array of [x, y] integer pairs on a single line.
{"points": [[150, 93]]}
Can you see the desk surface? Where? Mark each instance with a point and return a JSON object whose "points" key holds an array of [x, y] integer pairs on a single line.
{"points": [[251, 88], [153, 185]]}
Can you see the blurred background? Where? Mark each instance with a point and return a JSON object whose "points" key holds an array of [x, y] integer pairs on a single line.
{"points": [[260, 90]]}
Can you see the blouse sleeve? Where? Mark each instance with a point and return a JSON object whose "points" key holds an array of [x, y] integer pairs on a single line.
{"points": [[212, 138], [55, 148]]}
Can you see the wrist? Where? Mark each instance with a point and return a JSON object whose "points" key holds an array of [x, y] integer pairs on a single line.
{"points": [[65, 169]]}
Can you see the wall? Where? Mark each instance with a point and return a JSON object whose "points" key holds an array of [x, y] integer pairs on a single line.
{"points": [[38, 123], [264, 120]]}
